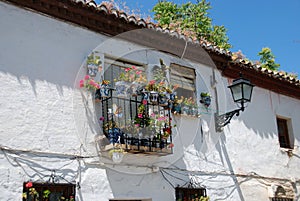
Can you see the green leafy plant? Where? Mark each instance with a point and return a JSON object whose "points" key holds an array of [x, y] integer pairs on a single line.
{"points": [[93, 59], [267, 59], [191, 20], [46, 194], [132, 74]]}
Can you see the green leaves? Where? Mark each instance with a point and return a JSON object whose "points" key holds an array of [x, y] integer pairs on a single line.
{"points": [[191, 20], [267, 59]]}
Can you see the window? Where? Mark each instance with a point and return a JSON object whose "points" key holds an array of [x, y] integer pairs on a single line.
{"points": [[185, 78], [137, 122], [283, 133], [33, 191], [187, 194]]}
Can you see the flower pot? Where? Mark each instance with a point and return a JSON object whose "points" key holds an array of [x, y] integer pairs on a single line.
{"points": [[92, 70], [153, 97], [135, 88], [122, 89], [145, 95], [194, 111], [206, 100], [186, 110], [104, 91], [176, 109], [163, 99], [117, 156], [114, 135]]}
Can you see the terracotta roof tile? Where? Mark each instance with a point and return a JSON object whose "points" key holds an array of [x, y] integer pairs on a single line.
{"points": [[110, 12]]}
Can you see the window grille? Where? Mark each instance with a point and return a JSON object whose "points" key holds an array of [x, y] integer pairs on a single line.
{"points": [[119, 115], [282, 199], [37, 191], [189, 194]]}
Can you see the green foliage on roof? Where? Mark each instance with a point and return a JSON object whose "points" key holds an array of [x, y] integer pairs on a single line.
{"points": [[191, 20]]}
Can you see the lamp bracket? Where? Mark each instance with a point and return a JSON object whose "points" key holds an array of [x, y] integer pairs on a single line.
{"points": [[224, 119]]}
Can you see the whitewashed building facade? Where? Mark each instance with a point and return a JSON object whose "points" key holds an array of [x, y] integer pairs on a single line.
{"points": [[51, 135]]}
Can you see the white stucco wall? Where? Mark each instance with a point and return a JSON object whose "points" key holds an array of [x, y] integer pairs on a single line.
{"points": [[45, 123]]}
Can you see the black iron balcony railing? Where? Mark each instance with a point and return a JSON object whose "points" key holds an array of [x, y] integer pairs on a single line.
{"points": [[136, 125]]}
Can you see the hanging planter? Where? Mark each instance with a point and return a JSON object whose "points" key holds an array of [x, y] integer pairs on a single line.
{"points": [[93, 64], [163, 99], [117, 155], [205, 99]]}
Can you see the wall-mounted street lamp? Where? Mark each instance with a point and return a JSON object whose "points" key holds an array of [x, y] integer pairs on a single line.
{"points": [[241, 91]]}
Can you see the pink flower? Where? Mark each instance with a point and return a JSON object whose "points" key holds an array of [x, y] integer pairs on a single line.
{"points": [[137, 125], [81, 83], [171, 145], [140, 115], [151, 82], [152, 115], [138, 72], [127, 69], [97, 86], [86, 77], [133, 67], [144, 102], [101, 118], [28, 185], [92, 82]]}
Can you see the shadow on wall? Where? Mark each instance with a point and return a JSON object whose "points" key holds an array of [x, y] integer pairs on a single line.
{"points": [[260, 115]]}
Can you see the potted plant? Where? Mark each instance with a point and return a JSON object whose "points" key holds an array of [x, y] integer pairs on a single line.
{"points": [[205, 99], [105, 89], [46, 194], [129, 82], [93, 64], [116, 154], [177, 103], [89, 83]]}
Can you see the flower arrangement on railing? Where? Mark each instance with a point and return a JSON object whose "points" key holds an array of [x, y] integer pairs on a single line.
{"points": [[161, 125], [142, 119], [89, 83], [130, 82], [160, 93], [190, 106], [186, 106], [103, 91]]}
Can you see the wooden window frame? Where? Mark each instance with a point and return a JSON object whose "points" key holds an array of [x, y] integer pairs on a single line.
{"points": [[283, 133], [187, 78]]}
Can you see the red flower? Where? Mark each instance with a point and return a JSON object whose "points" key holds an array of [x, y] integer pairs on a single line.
{"points": [[28, 185], [140, 115], [144, 102], [152, 82]]}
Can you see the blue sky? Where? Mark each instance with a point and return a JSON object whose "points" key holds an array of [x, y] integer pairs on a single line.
{"points": [[252, 25]]}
